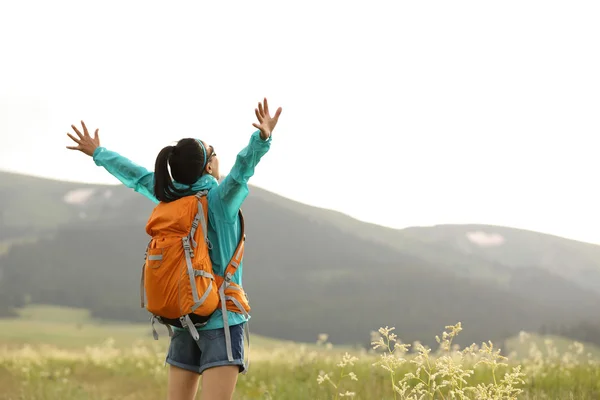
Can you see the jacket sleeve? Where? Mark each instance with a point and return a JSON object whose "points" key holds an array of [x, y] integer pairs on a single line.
{"points": [[232, 192], [130, 174]]}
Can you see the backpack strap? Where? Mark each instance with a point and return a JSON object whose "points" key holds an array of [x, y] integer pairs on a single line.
{"points": [[189, 253], [198, 301], [199, 218], [238, 254], [234, 263], [154, 318], [187, 323], [246, 328], [142, 289]]}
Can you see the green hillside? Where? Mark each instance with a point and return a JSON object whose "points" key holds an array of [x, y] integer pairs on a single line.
{"points": [[307, 270], [456, 247]]}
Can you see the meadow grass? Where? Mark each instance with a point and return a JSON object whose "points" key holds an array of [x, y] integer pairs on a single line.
{"points": [[74, 328], [125, 364]]}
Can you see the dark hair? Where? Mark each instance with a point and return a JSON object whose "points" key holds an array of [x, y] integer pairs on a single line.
{"points": [[186, 160]]}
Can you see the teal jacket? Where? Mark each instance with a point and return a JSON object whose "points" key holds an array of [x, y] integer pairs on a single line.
{"points": [[224, 202]]}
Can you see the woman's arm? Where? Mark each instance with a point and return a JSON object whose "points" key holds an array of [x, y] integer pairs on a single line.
{"points": [[234, 189], [130, 174]]}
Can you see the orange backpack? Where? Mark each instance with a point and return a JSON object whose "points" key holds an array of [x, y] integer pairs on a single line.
{"points": [[178, 281]]}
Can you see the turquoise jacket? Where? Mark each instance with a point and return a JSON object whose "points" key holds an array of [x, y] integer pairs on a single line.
{"points": [[224, 202]]}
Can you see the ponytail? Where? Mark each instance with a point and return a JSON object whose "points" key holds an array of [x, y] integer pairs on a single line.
{"points": [[186, 163], [164, 190]]}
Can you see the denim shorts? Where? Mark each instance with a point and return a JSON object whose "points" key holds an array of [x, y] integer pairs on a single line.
{"points": [[210, 351]]}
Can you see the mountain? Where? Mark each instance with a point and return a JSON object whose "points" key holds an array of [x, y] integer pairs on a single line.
{"points": [[475, 251], [306, 270], [575, 261]]}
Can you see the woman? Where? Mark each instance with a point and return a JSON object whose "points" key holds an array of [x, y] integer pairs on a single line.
{"points": [[194, 167]]}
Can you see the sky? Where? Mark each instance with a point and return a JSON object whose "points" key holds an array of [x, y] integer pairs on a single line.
{"points": [[396, 113]]}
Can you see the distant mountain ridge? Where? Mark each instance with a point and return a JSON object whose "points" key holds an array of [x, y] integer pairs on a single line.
{"points": [[484, 250], [307, 270]]}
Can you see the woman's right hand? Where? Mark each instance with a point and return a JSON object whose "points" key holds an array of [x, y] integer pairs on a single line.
{"points": [[86, 144], [267, 123]]}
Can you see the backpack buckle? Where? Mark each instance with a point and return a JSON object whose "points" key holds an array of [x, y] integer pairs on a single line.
{"points": [[187, 247], [187, 323]]}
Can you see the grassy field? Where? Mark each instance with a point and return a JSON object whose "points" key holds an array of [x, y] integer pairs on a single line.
{"points": [[73, 329], [58, 353]]}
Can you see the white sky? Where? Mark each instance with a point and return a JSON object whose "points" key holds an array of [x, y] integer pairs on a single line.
{"points": [[397, 113]]}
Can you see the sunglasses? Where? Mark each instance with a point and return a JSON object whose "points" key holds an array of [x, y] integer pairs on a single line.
{"points": [[212, 154]]}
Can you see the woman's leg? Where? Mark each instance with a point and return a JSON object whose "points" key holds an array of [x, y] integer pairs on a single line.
{"points": [[219, 375], [218, 383], [183, 384], [184, 369]]}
